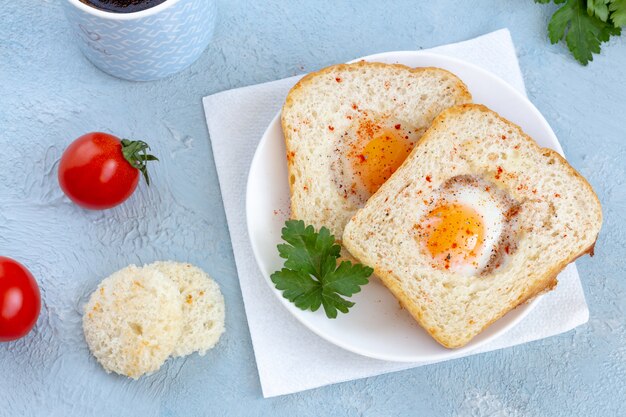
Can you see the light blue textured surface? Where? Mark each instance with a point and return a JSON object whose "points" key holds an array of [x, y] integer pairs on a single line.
{"points": [[50, 94]]}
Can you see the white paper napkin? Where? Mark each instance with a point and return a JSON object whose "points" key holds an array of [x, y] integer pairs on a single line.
{"points": [[289, 357]]}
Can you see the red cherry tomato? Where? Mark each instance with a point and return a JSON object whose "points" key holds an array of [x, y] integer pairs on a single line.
{"points": [[20, 301], [99, 171]]}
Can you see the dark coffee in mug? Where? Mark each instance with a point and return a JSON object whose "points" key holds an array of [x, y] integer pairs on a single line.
{"points": [[122, 6]]}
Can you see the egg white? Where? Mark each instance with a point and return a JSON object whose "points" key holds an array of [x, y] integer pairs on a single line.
{"points": [[492, 205]]}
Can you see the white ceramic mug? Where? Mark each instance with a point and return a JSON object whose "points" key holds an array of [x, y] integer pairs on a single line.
{"points": [[145, 45]]}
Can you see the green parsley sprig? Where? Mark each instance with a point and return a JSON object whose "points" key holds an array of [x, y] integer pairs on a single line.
{"points": [[311, 276], [586, 24]]}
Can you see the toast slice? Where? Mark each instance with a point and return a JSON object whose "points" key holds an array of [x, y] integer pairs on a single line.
{"points": [[328, 111], [557, 218]]}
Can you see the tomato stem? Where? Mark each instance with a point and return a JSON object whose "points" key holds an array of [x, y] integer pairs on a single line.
{"points": [[136, 153]]}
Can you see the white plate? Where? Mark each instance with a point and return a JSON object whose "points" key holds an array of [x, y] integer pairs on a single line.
{"points": [[376, 326]]}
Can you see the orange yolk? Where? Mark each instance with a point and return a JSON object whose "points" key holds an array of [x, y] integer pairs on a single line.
{"points": [[452, 234], [380, 158]]}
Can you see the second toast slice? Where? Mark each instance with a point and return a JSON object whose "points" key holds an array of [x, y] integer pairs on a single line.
{"points": [[478, 220]]}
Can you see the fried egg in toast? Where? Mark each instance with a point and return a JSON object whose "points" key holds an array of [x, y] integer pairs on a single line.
{"points": [[477, 220], [348, 127]]}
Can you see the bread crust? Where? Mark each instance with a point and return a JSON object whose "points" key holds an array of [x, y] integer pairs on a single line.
{"points": [[542, 285], [307, 79]]}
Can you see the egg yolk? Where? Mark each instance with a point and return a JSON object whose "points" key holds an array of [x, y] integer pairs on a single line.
{"points": [[452, 234], [380, 158]]}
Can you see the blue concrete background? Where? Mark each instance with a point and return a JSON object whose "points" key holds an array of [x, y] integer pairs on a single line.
{"points": [[50, 94]]}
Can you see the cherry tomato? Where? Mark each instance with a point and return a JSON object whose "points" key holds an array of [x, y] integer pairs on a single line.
{"points": [[20, 301], [99, 171]]}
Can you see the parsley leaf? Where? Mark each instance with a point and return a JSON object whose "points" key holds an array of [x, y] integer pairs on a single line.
{"points": [[585, 24], [599, 8], [311, 277], [618, 12]]}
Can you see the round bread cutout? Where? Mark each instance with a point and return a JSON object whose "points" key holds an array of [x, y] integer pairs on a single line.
{"points": [[133, 321], [202, 303]]}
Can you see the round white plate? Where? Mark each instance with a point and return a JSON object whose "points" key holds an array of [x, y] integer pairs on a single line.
{"points": [[376, 326]]}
